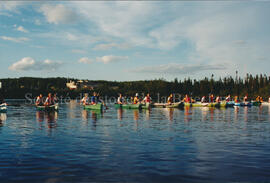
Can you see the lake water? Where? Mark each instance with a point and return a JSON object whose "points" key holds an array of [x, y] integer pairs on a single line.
{"points": [[161, 145]]}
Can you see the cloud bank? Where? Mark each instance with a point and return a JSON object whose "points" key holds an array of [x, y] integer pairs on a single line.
{"points": [[56, 14], [105, 59], [174, 68], [29, 64]]}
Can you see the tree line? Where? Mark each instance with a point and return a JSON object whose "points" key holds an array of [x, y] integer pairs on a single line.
{"points": [[17, 88]]}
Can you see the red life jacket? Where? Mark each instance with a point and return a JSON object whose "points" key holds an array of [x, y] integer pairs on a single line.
{"points": [[148, 99]]}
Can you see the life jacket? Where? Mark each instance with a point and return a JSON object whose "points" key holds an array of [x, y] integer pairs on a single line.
{"points": [[187, 100], [148, 99], [49, 100], [39, 100], [211, 99], [93, 100], [170, 99], [136, 100]]}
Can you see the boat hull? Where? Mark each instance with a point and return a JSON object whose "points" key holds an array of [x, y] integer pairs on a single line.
{"points": [[94, 107], [48, 108], [128, 106]]}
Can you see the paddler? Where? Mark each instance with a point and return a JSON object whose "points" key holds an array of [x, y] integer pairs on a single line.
{"points": [[120, 99], [218, 99], [228, 98], [147, 98], [261, 99], [39, 100], [170, 99], [187, 99], [136, 99], [203, 100], [258, 99], [236, 99], [94, 99], [211, 98], [85, 99], [269, 100], [49, 100], [55, 98], [245, 98]]}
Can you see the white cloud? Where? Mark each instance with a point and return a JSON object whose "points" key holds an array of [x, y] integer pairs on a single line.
{"points": [[22, 29], [56, 14], [86, 60], [111, 58], [174, 68], [105, 59], [15, 39], [109, 46], [28, 63]]}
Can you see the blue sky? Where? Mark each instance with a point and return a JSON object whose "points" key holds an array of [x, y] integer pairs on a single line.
{"points": [[130, 40]]}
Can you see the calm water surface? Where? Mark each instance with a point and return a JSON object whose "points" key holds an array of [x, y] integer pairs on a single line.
{"points": [[161, 145]]}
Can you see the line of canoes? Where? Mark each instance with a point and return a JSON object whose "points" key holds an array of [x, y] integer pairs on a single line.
{"points": [[174, 105], [3, 107]]}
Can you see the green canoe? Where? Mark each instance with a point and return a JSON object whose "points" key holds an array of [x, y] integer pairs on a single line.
{"points": [[128, 106], [147, 106], [196, 104], [48, 108], [94, 106], [256, 103]]}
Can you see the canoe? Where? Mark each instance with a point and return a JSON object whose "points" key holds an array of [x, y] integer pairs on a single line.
{"points": [[147, 106], [256, 103], [237, 104], [266, 104], [94, 106], [128, 106], [248, 104], [164, 105], [197, 104], [3, 108], [54, 107], [159, 105], [175, 105]]}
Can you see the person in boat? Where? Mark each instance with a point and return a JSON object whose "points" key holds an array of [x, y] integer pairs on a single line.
{"points": [[211, 98], [55, 98], [261, 99], [170, 99], [49, 100], [228, 98], [218, 99], [39, 100], [147, 98], [236, 99], [85, 100], [94, 99], [99, 100], [258, 99], [269, 100], [203, 100], [245, 99], [187, 99], [136, 99], [120, 99]]}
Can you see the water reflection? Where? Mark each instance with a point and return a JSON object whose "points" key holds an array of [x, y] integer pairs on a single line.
{"points": [[94, 115], [49, 117], [120, 114], [187, 114], [3, 117]]}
